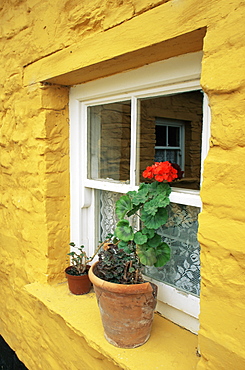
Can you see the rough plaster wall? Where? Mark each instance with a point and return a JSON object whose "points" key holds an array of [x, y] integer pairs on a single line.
{"points": [[221, 231], [34, 157], [47, 27], [34, 138]]}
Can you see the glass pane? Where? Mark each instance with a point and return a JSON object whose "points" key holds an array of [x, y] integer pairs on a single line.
{"points": [[180, 233], [170, 155], [161, 135], [160, 155], [173, 136], [109, 141], [185, 107]]}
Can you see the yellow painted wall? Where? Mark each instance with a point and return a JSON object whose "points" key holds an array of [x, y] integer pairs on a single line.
{"points": [[68, 42]]}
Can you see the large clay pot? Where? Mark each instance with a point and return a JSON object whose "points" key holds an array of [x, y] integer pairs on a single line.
{"points": [[126, 310], [78, 284]]}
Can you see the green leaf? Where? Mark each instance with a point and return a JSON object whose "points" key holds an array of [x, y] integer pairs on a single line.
{"points": [[151, 207], [149, 232], [124, 231], [162, 200], [141, 196], [131, 193], [124, 245], [144, 187], [154, 221], [71, 254], [162, 255], [155, 241], [146, 255], [160, 188], [139, 238], [123, 205]]}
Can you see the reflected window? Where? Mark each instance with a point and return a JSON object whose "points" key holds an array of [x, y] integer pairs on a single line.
{"points": [[170, 141], [171, 128], [109, 141]]}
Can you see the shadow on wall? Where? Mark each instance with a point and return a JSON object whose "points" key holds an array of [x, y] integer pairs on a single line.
{"points": [[8, 358]]}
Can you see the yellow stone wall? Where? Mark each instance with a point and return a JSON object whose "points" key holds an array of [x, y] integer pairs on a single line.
{"points": [[48, 46]]}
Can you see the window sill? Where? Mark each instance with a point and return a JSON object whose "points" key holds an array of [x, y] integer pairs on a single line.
{"points": [[169, 344]]}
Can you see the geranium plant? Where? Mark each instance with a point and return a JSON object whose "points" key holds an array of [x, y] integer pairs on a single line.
{"points": [[125, 251], [149, 203]]}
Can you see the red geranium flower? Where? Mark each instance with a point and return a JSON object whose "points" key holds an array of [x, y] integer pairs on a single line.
{"points": [[148, 173], [165, 172]]}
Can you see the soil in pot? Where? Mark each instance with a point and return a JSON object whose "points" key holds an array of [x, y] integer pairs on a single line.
{"points": [[127, 311], [78, 284]]}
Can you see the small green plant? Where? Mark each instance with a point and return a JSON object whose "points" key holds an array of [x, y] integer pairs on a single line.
{"points": [[80, 260], [118, 265]]}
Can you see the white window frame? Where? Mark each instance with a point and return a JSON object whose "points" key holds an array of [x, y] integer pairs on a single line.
{"points": [[175, 75]]}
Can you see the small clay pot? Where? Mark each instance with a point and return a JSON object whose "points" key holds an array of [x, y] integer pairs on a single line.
{"points": [[126, 310], [78, 284]]}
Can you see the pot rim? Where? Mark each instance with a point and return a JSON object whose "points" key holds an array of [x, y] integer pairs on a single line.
{"points": [[118, 288]]}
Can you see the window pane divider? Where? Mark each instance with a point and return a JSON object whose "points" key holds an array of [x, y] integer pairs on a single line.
{"points": [[187, 197], [178, 195], [109, 185], [133, 141], [168, 147]]}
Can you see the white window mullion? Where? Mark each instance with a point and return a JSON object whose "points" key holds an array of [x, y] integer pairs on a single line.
{"points": [[109, 186], [133, 148], [75, 171], [86, 193]]}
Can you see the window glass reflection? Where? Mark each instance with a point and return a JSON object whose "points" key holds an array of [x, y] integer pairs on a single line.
{"points": [[109, 141]]}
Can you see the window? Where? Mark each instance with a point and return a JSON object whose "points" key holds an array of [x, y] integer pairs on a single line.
{"points": [[119, 125], [170, 136]]}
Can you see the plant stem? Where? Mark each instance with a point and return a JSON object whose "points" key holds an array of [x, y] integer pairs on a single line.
{"points": [[97, 250]]}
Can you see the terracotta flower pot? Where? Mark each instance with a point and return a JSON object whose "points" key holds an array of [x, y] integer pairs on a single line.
{"points": [[78, 284], [126, 310]]}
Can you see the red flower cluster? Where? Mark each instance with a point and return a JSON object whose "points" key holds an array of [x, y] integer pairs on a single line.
{"points": [[162, 171]]}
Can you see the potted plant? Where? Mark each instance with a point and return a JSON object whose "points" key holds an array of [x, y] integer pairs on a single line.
{"points": [[77, 273], [125, 300]]}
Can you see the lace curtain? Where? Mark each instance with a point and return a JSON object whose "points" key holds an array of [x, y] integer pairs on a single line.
{"points": [[108, 218], [180, 233]]}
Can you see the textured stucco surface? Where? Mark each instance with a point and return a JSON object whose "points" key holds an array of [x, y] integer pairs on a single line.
{"points": [[68, 42]]}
